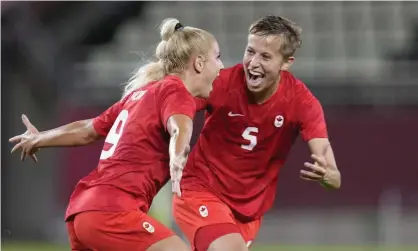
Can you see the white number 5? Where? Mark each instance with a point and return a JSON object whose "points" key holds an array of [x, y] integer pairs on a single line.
{"points": [[114, 134], [252, 138]]}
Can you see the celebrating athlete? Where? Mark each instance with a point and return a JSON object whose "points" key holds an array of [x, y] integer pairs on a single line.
{"points": [[147, 131], [254, 114]]}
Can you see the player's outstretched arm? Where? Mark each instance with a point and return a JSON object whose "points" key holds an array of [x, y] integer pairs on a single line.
{"points": [[180, 128], [324, 169], [77, 133]]}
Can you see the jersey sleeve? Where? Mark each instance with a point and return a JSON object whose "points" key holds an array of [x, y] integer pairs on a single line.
{"points": [[175, 99], [311, 116], [103, 123]]}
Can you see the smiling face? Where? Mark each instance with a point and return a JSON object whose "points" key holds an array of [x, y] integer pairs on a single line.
{"points": [[263, 62], [272, 41]]}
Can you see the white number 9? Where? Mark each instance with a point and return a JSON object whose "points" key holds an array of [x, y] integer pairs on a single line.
{"points": [[252, 138], [114, 134]]}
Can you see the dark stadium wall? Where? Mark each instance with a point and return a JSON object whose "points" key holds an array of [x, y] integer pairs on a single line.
{"points": [[376, 151]]}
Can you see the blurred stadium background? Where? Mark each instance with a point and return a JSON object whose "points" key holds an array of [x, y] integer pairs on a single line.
{"points": [[63, 61]]}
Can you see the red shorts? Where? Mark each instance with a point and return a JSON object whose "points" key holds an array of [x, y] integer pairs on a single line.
{"points": [[195, 210], [115, 231]]}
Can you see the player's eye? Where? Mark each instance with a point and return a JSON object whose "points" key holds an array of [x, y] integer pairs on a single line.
{"points": [[249, 51], [266, 57]]}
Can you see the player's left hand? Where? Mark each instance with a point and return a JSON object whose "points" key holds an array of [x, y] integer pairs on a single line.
{"points": [[318, 170]]}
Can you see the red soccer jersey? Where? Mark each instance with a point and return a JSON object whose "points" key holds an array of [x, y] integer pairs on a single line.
{"points": [[243, 145], [133, 164]]}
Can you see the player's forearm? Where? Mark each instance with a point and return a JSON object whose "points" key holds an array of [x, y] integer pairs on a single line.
{"points": [[332, 178], [180, 128], [179, 144], [78, 133], [322, 147]]}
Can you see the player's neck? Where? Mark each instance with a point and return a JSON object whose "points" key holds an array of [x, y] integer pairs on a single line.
{"points": [[187, 81], [263, 96]]}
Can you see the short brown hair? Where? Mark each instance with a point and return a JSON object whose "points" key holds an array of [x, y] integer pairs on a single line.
{"points": [[279, 26]]}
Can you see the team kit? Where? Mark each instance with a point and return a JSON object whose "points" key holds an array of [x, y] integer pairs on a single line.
{"points": [[254, 111]]}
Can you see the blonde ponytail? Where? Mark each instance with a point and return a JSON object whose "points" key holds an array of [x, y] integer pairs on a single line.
{"points": [[172, 56], [150, 72]]}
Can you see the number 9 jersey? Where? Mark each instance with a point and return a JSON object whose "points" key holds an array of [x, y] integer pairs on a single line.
{"points": [[243, 145], [133, 163]]}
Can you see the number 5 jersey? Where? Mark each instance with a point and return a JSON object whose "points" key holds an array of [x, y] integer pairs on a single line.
{"points": [[134, 162], [243, 145]]}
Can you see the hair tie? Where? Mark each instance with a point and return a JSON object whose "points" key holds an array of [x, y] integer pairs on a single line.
{"points": [[178, 27]]}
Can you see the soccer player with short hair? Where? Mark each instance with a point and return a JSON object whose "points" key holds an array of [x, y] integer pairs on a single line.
{"points": [[147, 131], [254, 114]]}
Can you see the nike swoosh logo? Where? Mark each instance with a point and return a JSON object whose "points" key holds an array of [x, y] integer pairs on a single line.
{"points": [[230, 114]]}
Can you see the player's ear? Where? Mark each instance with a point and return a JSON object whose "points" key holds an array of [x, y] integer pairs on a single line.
{"points": [[199, 64], [287, 64]]}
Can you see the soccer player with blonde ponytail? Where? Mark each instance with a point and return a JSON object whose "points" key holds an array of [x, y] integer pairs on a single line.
{"points": [[147, 135]]}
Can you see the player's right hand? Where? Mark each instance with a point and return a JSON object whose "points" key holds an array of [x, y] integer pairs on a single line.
{"points": [[27, 140]]}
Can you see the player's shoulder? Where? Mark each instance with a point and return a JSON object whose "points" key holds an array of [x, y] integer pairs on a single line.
{"points": [[170, 83], [154, 89], [294, 87], [138, 94], [171, 80], [160, 88], [172, 89]]}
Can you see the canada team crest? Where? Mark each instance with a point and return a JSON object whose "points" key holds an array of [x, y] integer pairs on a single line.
{"points": [[278, 121]]}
